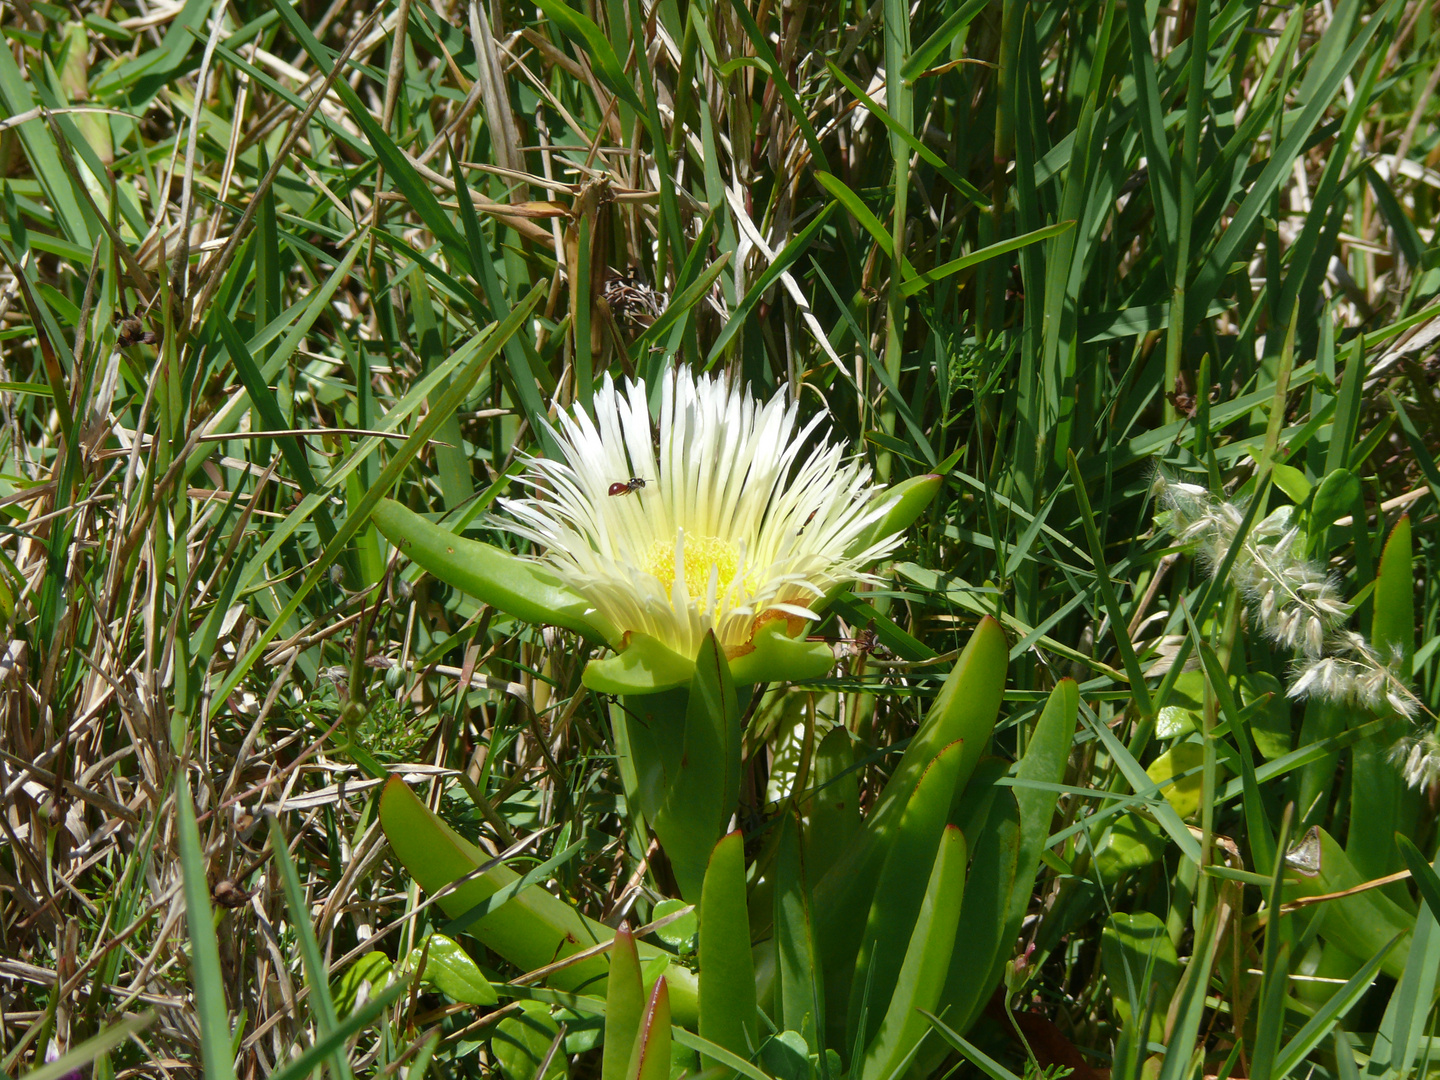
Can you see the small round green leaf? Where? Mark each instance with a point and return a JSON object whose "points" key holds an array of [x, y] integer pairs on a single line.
{"points": [[449, 969], [370, 972], [521, 1043], [680, 934]]}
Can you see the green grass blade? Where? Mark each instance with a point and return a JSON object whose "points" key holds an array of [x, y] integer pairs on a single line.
{"points": [[981, 1060], [459, 390], [1426, 879], [783, 260], [208, 979], [1002, 247], [1118, 622], [1329, 1015], [334, 1042], [1217, 264], [930, 50], [316, 975], [97, 1045]]}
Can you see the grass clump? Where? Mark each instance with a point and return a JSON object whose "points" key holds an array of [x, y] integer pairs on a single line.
{"points": [[265, 264]]}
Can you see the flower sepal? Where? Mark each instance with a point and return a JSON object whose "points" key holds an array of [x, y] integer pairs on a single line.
{"points": [[777, 654], [642, 666], [908, 500], [520, 587]]}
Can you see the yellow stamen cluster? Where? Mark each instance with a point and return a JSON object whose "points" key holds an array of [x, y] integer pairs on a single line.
{"points": [[701, 554]]}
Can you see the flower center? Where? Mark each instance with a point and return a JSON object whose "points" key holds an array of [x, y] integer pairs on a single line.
{"points": [[701, 553]]}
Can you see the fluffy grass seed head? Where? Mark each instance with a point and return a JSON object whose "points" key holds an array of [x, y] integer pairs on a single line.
{"points": [[1354, 672], [1419, 760], [1296, 603], [731, 527]]}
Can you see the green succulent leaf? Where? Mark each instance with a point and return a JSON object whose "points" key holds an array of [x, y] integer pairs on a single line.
{"points": [[800, 993], [704, 792], [835, 809], [532, 929], [644, 665], [650, 1059], [988, 888], [727, 969], [926, 964], [1047, 753], [965, 709], [908, 500], [624, 1005], [680, 752], [900, 890], [778, 657]]}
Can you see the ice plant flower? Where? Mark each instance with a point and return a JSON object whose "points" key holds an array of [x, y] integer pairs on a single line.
{"points": [[719, 520]]}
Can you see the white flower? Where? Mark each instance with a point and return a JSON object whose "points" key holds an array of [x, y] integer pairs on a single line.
{"points": [[730, 528]]}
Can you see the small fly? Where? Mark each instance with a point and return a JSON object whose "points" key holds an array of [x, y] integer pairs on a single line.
{"points": [[625, 487]]}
